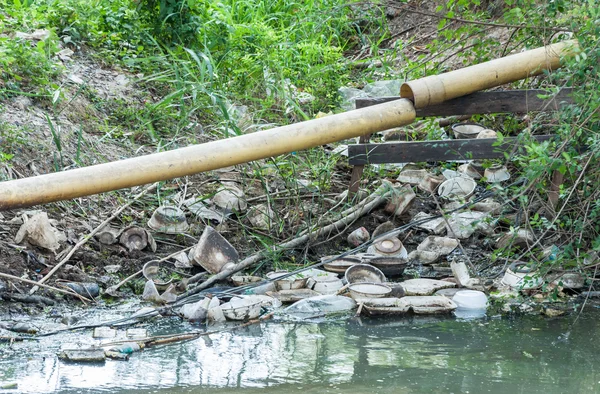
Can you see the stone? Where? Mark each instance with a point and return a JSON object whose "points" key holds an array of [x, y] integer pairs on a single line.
{"points": [[213, 252], [424, 287]]}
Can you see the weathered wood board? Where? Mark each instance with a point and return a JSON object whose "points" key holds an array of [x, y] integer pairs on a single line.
{"points": [[515, 101], [443, 150]]}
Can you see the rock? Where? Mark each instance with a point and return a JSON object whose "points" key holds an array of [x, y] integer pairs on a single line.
{"points": [[151, 293], [134, 238], [231, 198], [261, 216], [424, 287], [358, 236], [39, 232], [213, 252], [400, 200]]}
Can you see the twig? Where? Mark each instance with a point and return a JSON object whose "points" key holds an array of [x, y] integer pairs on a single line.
{"points": [[247, 262], [436, 15], [84, 240], [31, 282]]}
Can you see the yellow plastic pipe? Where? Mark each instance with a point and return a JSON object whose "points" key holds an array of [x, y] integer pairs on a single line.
{"points": [[436, 89], [209, 156], [204, 157]]}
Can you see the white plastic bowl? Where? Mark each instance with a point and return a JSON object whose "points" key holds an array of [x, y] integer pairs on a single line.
{"points": [[470, 299]]}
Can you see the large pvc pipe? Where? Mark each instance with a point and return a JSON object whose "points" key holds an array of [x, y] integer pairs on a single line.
{"points": [[436, 89], [204, 157], [198, 158]]}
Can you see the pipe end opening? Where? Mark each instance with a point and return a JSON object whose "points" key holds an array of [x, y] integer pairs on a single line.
{"points": [[407, 92]]}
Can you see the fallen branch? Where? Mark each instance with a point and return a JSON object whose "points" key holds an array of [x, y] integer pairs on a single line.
{"points": [[112, 290], [249, 261], [166, 339], [439, 16], [85, 239], [72, 293]]}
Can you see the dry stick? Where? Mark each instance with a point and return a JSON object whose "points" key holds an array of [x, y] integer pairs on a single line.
{"points": [[130, 277], [84, 240], [529, 249], [247, 262], [31, 282], [436, 15]]}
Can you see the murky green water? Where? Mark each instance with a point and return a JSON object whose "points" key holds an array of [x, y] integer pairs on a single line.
{"points": [[411, 355]]}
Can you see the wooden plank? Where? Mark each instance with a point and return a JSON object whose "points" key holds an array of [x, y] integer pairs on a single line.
{"points": [[501, 101], [444, 150]]}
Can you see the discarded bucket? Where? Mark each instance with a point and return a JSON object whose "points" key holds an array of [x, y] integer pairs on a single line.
{"points": [[470, 304]]}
